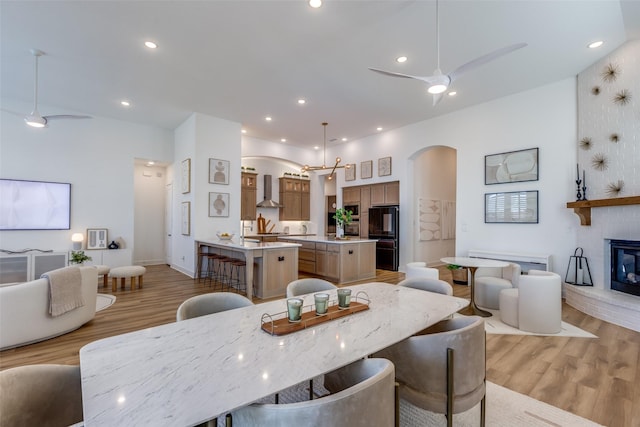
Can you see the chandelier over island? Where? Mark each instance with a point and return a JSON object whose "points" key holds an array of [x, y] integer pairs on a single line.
{"points": [[337, 165]]}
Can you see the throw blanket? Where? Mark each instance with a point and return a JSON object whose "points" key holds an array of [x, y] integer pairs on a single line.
{"points": [[65, 290]]}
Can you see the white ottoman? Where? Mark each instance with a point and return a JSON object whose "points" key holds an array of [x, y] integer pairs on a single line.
{"points": [[488, 290], [103, 270], [123, 273], [509, 306]]}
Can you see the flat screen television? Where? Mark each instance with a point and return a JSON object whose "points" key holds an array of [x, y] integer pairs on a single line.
{"points": [[34, 205]]}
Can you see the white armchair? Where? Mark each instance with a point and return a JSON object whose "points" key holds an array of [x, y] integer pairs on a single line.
{"points": [[536, 305], [489, 281], [420, 269]]}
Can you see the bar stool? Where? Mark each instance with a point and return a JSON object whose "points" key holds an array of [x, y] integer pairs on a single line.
{"points": [[202, 254], [213, 262], [236, 266], [223, 271]]}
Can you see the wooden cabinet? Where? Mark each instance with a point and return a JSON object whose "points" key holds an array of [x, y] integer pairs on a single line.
{"points": [[350, 195], [295, 198], [327, 260], [248, 194], [278, 270], [387, 193], [307, 258], [349, 262]]}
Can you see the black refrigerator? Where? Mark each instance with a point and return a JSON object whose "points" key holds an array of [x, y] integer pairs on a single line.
{"points": [[384, 226]]}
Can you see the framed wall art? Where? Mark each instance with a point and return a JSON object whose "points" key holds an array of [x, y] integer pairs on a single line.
{"points": [[513, 166], [97, 238], [219, 204], [219, 171], [511, 207], [186, 218], [384, 166], [350, 172], [185, 173], [366, 169]]}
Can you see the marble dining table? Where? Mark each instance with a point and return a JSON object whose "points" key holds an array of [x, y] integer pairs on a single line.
{"points": [[188, 372]]}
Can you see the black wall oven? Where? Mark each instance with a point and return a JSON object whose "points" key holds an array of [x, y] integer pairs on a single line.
{"points": [[384, 226]]}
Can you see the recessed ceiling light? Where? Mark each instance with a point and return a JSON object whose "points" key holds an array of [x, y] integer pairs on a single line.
{"points": [[151, 163], [301, 101], [344, 140], [150, 44], [125, 103], [283, 140], [315, 3], [316, 147], [378, 129], [243, 131], [453, 93], [401, 59], [595, 44], [268, 118]]}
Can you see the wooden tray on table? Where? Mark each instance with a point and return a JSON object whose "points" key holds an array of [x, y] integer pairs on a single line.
{"points": [[282, 325]]}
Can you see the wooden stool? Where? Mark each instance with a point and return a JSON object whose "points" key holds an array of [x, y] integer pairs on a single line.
{"points": [[237, 265], [122, 273], [103, 270]]}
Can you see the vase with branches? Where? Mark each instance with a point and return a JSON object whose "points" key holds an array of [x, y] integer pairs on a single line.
{"points": [[342, 217]]}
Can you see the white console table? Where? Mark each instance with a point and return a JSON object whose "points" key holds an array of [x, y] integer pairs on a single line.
{"points": [[527, 261]]}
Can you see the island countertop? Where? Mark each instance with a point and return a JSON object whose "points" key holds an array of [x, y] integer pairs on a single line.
{"points": [[325, 239], [237, 243]]}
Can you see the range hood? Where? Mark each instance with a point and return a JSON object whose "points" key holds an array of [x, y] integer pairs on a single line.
{"points": [[268, 202]]}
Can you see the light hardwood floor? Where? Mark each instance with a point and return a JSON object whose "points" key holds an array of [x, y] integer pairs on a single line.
{"points": [[598, 379]]}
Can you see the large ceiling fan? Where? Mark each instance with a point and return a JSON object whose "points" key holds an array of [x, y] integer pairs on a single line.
{"points": [[35, 119], [438, 83]]}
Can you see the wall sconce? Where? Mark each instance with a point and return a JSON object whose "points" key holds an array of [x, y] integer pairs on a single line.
{"points": [[77, 239]]}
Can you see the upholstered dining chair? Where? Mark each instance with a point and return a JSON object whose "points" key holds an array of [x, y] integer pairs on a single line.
{"points": [[420, 269], [362, 394], [427, 284], [40, 395], [204, 304], [536, 305], [443, 370], [307, 286], [489, 281]]}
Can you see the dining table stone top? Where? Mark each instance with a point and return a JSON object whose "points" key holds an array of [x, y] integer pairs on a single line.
{"points": [[188, 372]]}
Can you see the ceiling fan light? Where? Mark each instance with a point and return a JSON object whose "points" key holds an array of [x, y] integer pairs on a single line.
{"points": [[35, 121], [436, 89]]}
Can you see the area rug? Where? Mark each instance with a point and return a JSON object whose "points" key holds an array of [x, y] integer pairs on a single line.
{"points": [[493, 325], [104, 301], [505, 408]]}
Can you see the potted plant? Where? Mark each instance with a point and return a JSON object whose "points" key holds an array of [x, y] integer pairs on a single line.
{"points": [[458, 273], [342, 217], [78, 257]]}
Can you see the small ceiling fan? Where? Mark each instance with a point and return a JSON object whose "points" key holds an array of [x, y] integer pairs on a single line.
{"points": [[35, 119], [438, 82]]}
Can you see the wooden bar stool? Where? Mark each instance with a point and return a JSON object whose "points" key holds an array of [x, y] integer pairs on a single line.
{"points": [[238, 266], [202, 254], [213, 262]]}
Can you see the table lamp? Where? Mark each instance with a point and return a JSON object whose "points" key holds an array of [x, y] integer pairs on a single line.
{"points": [[77, 239]]}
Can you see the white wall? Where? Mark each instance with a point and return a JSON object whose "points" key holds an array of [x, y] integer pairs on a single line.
{"points": [[434, 179], [544, 117], [95, 155], [200, 138], [599, 117]]}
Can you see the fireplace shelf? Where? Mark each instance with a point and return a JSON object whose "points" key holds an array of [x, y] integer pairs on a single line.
{"points": [[582, 208]]}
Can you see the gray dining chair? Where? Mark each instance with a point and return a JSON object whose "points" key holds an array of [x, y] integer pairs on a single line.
{"points": [[427, 284], [41, 395], [443, 370], [362, 394], [307, 286], [204, 304]]}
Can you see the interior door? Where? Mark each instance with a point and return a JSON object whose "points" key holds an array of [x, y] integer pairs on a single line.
{"points": [[168, 223]]}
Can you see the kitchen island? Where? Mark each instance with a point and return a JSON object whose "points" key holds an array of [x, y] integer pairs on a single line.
{"points": [[337, 260], [270, 265]]}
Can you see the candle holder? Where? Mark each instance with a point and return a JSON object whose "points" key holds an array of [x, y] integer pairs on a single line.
{"points": [[584, 192], [579, 193]]}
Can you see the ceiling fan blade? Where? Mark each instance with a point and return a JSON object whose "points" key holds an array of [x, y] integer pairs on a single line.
{"points": [[406, 76], [66, 116], [437, 98], [484, 59]]}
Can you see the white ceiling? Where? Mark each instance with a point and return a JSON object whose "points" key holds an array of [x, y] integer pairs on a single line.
{"points": [[243, 60]]}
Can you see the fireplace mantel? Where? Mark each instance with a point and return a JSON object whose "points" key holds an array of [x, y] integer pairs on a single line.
{"points": [[582, 208]]}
